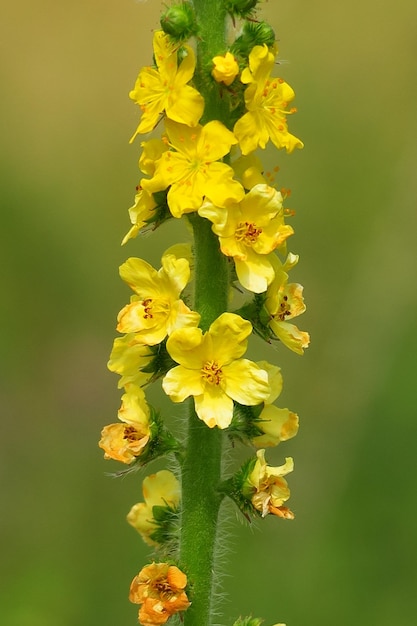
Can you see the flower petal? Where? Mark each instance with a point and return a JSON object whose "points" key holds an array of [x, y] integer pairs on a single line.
{"points": [[214, 407], [180, 383], [245, 382]]}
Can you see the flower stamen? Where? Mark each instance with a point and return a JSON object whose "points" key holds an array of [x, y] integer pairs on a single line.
{"points": [[212, 373]]}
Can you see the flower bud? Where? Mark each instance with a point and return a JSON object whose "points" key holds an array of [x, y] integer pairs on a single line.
{"points": [[241, 8], [179, 21], [254, 34]]}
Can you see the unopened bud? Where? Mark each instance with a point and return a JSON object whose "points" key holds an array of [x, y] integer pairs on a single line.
{"points": [[179, 21]]}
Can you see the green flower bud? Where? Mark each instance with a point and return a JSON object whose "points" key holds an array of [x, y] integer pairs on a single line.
{"points": [[254, 34], [179, 22], [241, 8]]}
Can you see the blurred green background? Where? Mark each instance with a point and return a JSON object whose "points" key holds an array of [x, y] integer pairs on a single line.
{"points": [[68, 176]]}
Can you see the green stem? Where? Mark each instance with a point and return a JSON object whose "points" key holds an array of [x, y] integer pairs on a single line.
{"points": [[201, 470]]}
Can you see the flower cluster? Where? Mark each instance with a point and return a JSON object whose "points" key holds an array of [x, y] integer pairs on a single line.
{"points": [[203, 167]]}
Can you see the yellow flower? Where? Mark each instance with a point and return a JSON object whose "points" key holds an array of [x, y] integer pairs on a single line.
{"points": [[159, 588], [249, 232], [192, 170], [144, 208], [267, 488], [165, 88], [248, 169], [128, 357], [157, 309], [276, 424], [211, 370], [124, 442], [266, 102], [140, 213], [152, 150], [161, 489], [284, 301], [225, 68]]}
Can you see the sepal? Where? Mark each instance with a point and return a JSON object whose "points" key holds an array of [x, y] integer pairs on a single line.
{"points": [[248, 621], [179, 22], [255, 311], [241, 8], [156, 519], [244, 424], [253, 34], [159, 363], [251, 621]]}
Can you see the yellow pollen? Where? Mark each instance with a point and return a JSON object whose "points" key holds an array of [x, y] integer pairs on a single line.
{"points": [[280, 80], [247, 232], [212, 373]]}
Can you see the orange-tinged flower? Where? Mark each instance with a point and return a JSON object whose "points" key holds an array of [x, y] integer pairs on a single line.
{"points": [[211, 370], [267, 488], [157, 309], [160, 489], [225, 68], [160, 589], [249, 231], [124, 442], [165, 89], [266, 100], [192, 169], [284, 301]]}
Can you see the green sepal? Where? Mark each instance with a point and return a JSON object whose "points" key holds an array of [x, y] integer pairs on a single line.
{"points": [[241, 8], [243, 426], [160, 362], [238, 489], [179, 22], [248, 621], [256, 313], [253, 34], [166, 520], [161, 212]]}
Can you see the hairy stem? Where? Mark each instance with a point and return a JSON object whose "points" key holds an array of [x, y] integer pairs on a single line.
{"points": [[202, 464]]}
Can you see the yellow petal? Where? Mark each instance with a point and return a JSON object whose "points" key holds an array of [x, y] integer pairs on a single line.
{"points": [[214, 407], [245, 382], [228, 334], [180, 383]]}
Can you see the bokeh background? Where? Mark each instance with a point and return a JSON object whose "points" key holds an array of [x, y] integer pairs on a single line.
{"points": [[68, 176]]}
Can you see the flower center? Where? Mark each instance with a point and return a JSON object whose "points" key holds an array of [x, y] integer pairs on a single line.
{"points": [[212, 373], [131, 434], [163, 589], [152, 307], [284, 310], [247, 232]]}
